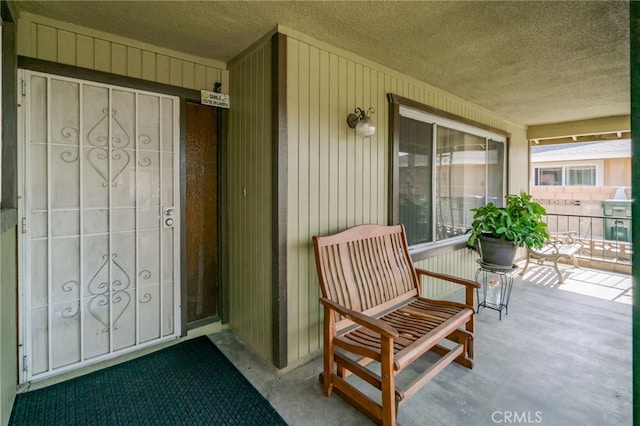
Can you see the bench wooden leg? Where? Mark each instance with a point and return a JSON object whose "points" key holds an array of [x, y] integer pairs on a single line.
{"points": [[329, 331], [388, 398], [470, 326], [465, 339]]}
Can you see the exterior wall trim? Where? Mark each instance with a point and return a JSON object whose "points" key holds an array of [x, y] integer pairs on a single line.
{"points": [[279, 206], [395, 99], [592, 127], [9, 145], [64, 70]]}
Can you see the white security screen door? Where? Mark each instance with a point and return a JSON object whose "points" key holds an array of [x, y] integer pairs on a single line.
{"points": [[100, 239]]}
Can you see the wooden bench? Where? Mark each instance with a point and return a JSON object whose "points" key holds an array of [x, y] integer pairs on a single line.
{"points": [[554, 250], [373, 311]]}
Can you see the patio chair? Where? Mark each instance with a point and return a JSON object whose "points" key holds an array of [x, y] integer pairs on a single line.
{"points": [[554, 250]]}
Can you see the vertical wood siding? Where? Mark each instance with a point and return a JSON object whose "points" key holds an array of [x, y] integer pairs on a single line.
{"points": [[8, 326], [54, 41], [250, 216], [519, 175], [337, 180]]}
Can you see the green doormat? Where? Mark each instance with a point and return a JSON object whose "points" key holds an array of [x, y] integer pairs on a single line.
{"points": [[191, 383]]}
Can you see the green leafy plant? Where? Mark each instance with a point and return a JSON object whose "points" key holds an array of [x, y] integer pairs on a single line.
{"points": [[520, 221]]}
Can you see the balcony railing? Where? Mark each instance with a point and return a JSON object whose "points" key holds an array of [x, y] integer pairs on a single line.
{"points": [[606, 240]]}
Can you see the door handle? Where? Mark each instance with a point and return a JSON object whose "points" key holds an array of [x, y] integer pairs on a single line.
{"points": [[168, 213]]}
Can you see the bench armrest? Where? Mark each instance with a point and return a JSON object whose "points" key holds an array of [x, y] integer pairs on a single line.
{"points": [[450, 278], [371, 323], [469, 284]]}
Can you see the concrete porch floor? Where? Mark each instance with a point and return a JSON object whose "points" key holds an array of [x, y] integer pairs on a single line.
{"points": [[562, 356]]}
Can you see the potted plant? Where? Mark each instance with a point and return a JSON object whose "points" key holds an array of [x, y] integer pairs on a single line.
{"points": [[497, 232]]}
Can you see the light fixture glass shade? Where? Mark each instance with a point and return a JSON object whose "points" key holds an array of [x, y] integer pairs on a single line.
{"points": [[365, 127]]}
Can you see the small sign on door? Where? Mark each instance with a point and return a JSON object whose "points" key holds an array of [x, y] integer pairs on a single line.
{"points": [[214, 99]]}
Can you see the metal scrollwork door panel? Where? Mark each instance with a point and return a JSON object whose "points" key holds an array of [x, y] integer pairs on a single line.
{"points": [[99, 269]]}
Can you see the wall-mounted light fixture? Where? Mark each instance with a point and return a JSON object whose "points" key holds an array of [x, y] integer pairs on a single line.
{"points": [[362, 122]]}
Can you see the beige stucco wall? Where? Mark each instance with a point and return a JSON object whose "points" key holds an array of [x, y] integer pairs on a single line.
{"points": [[576, 201], [617, 172], [337, 180], [560, 198]]}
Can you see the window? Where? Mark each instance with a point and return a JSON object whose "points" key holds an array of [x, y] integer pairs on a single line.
{"points": [[548, 176], [580, 175], [442, 168], [584, 175]]}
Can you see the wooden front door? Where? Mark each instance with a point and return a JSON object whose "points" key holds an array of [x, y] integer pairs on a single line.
{"points": [[202, 212]]}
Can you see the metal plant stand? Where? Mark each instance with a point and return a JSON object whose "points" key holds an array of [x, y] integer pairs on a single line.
{"points": [[496, 283]]}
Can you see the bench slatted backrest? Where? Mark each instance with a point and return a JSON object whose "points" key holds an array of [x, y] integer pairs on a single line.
{"points": [[365, 267]]}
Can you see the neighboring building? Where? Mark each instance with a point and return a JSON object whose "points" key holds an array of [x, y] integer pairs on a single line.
{"points": [[575, 178], [591, 180], [582, 164]]}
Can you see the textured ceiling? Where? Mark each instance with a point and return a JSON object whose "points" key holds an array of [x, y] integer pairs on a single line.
{"points": [[534, 62]]}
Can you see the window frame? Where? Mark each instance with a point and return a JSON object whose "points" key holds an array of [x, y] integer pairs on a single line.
{"points": [[598, 166], [569, 169], [537, 177], [444, 119]]}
